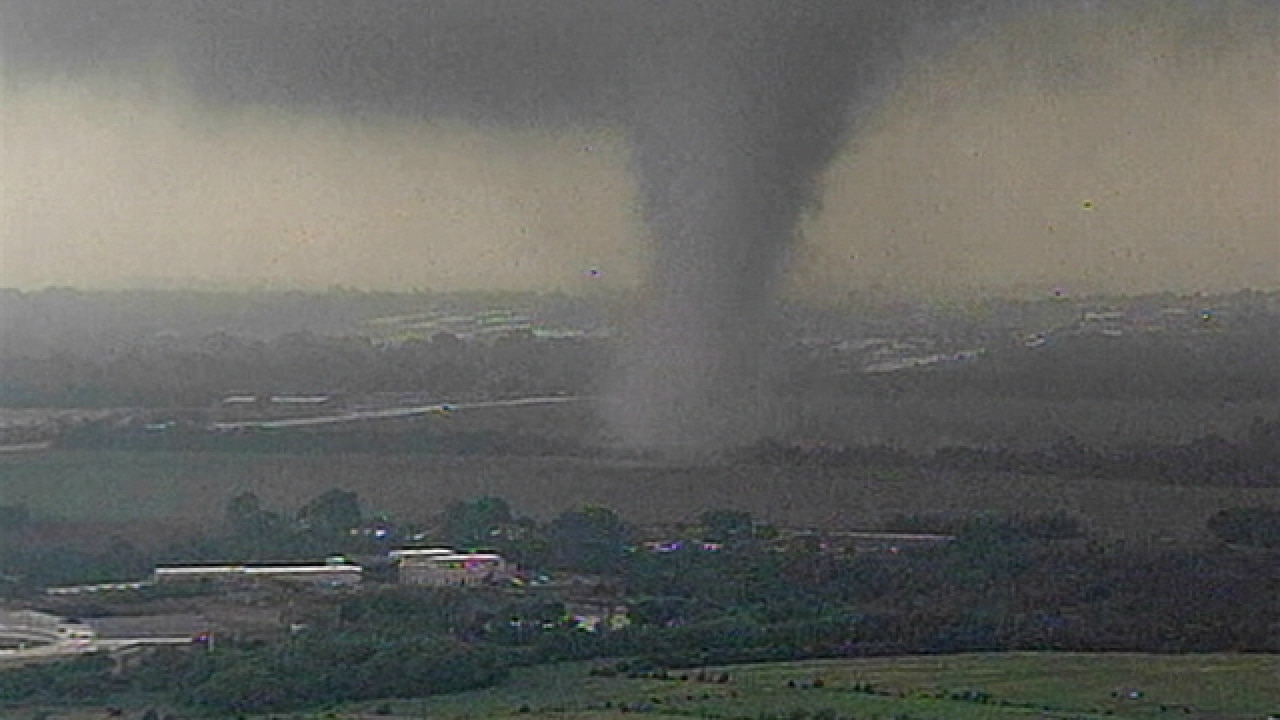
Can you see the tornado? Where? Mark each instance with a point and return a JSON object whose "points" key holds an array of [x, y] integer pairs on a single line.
{"points": [[732, 127]]}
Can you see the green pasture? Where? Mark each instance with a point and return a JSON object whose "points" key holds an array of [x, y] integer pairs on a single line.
{"points": [[106, 486], [963, 687], [966, 687], [129, 486], [1123, 685]]}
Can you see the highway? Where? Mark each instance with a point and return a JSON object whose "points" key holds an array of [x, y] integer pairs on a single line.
{"points": [[390, 413], [29, 635], [37, 636]]}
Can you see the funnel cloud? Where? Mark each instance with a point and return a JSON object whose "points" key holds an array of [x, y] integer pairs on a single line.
{"points": [[731, 132]]}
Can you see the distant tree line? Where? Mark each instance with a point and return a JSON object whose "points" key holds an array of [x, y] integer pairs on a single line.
{"points": [[167, 373], [1251, 461], [174, 350], [90, 323]]}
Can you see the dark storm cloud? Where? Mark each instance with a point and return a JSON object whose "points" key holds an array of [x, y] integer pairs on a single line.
{"points": [[508, 62], [498, 60]]}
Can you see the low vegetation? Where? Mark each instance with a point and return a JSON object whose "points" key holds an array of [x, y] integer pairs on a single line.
{"points": [[1058, 686], [1050, 686]]}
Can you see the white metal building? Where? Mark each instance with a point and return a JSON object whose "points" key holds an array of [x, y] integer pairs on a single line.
{"points": [[451, 569], [329, 574]]}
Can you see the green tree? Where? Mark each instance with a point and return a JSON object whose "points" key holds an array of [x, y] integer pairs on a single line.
{"points": [[1254, 526], [590, 539], [526, 543], [331, 515], [732, 527], [248, 519], [478, 523]]}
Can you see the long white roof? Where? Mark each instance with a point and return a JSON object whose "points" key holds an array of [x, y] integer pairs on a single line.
{"points": [[421, 552], [459, 557], [258, 569]]}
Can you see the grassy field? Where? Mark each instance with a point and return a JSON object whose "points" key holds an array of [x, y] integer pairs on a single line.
{"points": [[193, 489], [966, 687], [923, 422], [963, 687]]}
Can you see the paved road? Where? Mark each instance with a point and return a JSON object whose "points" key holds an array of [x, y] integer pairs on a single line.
{"points": [[45, 636], [391, 413], [39, 635]]}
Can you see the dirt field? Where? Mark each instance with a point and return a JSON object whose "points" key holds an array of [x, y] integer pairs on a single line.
{"points": [[191, 490]]}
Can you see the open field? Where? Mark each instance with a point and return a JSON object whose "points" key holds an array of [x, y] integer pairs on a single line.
{"points": [[963, 687], [192, 489], [924, 422], [954, 687], [899, 416]]}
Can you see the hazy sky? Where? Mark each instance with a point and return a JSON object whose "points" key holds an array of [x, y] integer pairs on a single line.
{"points": [[1111, 150]]}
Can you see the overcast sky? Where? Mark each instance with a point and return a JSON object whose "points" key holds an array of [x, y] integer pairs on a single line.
{"points": [[1131, 150]]}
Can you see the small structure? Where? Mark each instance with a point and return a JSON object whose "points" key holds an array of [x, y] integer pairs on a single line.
{"points": [[595, 617], [98, 588], [418, 554], [442, 567], [240, 400], [860, 543], [299, 399]]}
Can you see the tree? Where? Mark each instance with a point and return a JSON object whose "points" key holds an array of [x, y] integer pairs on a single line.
{"points": [[732, 527], [1254, 526], [243, 510], [590, 539], [247, 518], [331, 515], [476, 524]]}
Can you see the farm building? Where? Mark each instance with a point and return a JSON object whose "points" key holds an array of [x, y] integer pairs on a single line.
{"points": [[418, 554], [335, 572], [451, 569]]}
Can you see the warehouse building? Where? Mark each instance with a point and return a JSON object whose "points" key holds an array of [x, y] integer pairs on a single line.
{"points": [[442, 567], [334, 572]]}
